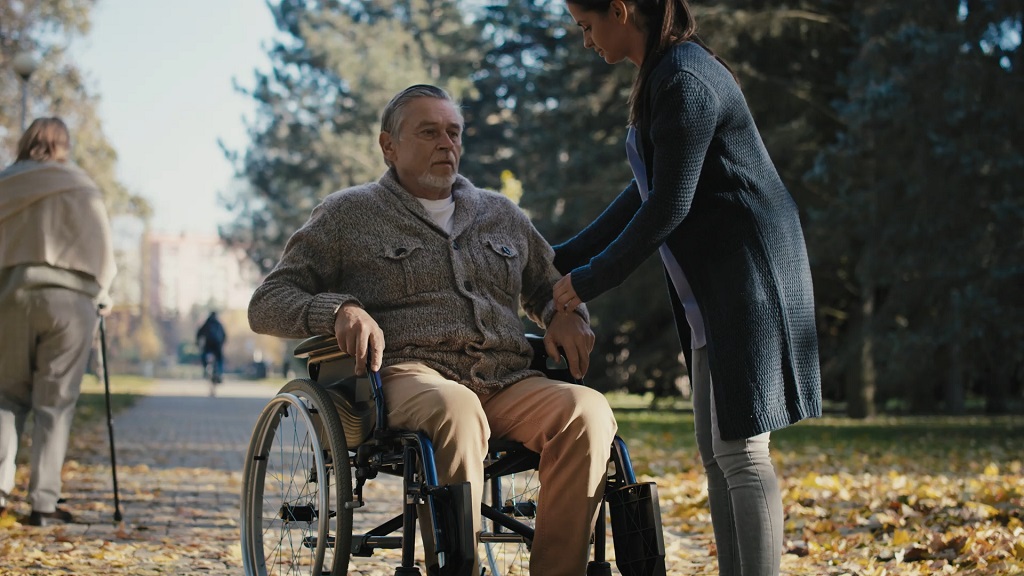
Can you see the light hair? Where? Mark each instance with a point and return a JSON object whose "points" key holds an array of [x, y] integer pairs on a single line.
{"points": [[394, 113], [46, 140]]}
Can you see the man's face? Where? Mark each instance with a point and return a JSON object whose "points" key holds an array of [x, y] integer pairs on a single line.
{"points": [[425, 153]]}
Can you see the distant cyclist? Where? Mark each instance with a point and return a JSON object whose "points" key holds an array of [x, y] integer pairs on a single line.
{"points": [[210, 338]]}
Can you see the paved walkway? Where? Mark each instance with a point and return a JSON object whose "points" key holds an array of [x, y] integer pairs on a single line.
{"points": [[180, 456]]}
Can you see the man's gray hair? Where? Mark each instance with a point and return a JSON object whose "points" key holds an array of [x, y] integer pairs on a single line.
{"points": [[391, 119]]}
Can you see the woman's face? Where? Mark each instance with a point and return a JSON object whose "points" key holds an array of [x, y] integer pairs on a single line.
{"points": [[610, 33]]}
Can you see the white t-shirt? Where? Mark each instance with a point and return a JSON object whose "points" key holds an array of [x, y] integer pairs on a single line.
{"points": [[440, 211]]}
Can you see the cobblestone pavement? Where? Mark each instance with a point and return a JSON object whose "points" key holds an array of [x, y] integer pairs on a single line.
{"points": [[180, 457]]}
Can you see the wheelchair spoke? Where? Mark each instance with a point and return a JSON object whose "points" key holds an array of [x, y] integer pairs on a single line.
{"points": [[507, 553], [288, 521], [296, 513]]}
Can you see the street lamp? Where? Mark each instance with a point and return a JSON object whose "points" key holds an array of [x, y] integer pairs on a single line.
{"points": [[24, 64]]}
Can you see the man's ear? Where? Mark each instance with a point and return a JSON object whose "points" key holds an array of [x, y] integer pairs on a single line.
{"points": [[387, 146]]}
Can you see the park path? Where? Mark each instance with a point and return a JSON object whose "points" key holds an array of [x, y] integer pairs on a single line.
{"points": [[180, 456]]}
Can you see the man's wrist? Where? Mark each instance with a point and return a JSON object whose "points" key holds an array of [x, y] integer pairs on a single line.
{"points": [[346, 302]]}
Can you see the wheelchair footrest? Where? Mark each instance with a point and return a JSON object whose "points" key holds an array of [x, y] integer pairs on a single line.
{"points": [[454, 509], [636, 530]]}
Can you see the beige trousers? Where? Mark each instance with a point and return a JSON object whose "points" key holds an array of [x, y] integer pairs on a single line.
{"points": [[570, 426], [45, 338]]}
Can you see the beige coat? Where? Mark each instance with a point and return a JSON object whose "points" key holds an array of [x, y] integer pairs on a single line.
{"points": [[54, 230]]}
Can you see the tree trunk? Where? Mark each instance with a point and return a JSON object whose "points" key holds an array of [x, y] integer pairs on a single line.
{"points": [[954, 392], [860, 389]]}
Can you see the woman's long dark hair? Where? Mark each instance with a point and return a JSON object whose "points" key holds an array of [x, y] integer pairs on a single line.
{"points": [[667, 23]]}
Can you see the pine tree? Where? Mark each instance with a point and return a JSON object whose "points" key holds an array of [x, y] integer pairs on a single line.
{"points": [[334, 69]]}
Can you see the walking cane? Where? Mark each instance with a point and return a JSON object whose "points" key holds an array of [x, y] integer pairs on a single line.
{"points": [[110, 418]]}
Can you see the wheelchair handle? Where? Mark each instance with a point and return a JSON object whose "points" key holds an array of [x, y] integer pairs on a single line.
{"points": [[377, 389]]}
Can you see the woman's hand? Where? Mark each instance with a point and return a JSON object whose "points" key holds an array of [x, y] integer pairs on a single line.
{"points": [[565, 295]]}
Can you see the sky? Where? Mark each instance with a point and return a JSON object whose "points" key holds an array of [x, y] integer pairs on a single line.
{"points": [[165, 72]]}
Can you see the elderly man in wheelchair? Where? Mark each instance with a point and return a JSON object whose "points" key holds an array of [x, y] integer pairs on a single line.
{"points": [[455, 399]]}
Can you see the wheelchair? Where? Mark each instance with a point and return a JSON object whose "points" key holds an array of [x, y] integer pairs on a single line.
{"points": [[319, 443]]}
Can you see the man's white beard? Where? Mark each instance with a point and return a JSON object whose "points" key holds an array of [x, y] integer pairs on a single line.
{"points": [[437, 182]]}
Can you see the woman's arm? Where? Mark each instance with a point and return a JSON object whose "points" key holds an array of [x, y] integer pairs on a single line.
{"points": [[685, 113], [593, 239]]}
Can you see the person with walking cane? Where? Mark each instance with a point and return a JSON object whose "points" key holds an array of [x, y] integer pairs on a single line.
{"points": [[56, 268]]}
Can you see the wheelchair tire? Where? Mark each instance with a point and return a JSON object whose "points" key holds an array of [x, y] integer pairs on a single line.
{"points": [[297, 467]]}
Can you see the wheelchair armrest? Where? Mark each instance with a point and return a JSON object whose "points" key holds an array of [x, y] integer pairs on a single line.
{"points": [[553, 368], [322, 353], [319, 348]]}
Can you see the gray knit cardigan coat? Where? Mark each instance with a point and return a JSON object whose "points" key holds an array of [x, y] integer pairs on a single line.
{"points": [[450, 301], [718, 203]]}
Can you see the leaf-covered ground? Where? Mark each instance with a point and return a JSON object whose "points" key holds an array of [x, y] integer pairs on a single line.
{"points": [[898, 496]]}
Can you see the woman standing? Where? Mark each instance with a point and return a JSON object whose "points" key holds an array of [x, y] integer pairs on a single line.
{"points": [[707, 197], [56, 267]]}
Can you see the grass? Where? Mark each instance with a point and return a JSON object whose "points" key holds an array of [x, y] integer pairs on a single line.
{"points": [[889, 495], [943, 444], [92, 406]]}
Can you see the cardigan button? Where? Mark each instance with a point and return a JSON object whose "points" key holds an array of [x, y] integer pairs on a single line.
{"points": [[455, 244], [468, 286]]}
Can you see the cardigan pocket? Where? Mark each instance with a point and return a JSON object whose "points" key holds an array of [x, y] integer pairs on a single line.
{"points": [[503, 265], [400, 267]]}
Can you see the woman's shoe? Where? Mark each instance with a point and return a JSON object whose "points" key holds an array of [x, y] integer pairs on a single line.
{"points": [[58, 516]]}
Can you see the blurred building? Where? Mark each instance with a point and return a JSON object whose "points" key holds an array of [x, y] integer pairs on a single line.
{"points": [[165, 287], [184, 277], [128, 233], [185, 273]]}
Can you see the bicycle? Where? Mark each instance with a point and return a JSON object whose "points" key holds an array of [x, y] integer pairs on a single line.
{"points": [[212, 371]]}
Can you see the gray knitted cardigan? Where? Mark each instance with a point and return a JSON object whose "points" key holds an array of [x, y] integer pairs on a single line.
{"points": [[718, 203], [449, 301]]}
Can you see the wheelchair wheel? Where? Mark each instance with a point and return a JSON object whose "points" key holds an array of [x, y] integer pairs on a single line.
{"points": [[295, 487], [515, 495]]}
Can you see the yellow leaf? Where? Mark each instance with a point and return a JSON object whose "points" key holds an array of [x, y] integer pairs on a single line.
{"points": [[991, 469], [900, 537], [1018, 550], [967, 545], [8, 521]]}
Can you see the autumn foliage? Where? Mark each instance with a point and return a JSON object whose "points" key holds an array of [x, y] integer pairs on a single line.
{"points": [[906, 496], [898, 496]]}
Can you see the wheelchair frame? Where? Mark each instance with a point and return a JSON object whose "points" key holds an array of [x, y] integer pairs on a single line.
{"points": [[335, 426]]}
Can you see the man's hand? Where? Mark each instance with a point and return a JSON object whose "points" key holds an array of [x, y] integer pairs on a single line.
{"points": [[570, 332], [565, 295], [357, 332]]}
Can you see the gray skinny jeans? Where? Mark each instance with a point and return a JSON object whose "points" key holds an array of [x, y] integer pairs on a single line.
{"points": [[743, 491]]}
